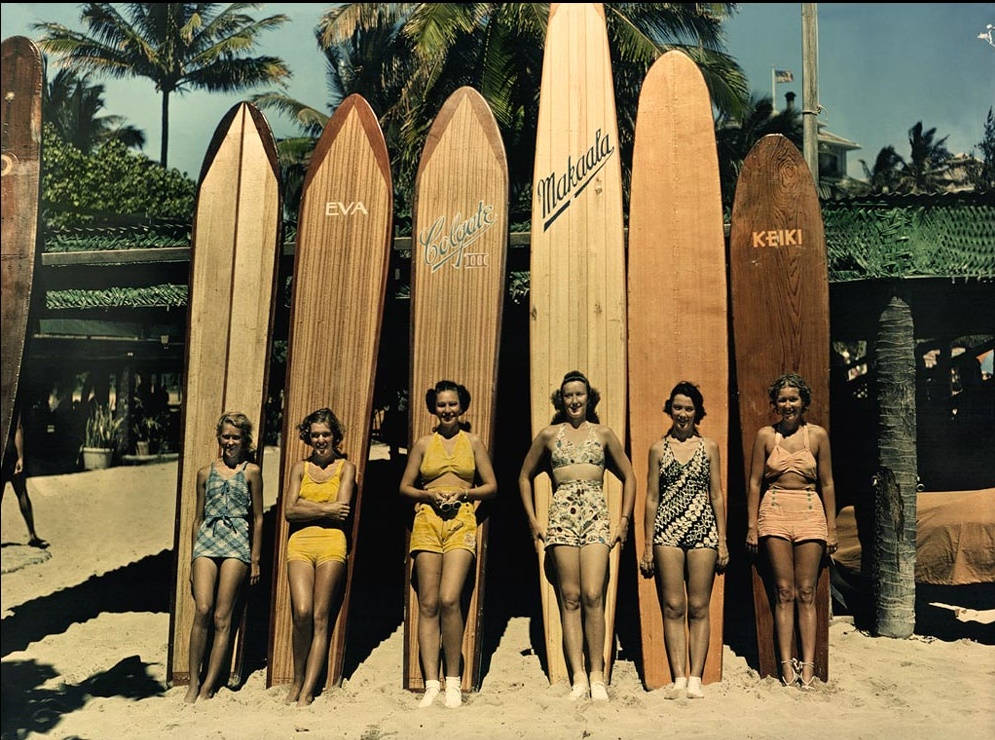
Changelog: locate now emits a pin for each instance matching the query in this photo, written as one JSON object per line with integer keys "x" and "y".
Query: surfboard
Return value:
{"x": 678, "y": 320}
{"x": 780, "y": 305}
{"x": 457, "y": 282}
{"x": 233, "y": 266}
{"x": 340, "y": 276}
{"x": 20, "y": 162}
{"x": 577, "y": 262}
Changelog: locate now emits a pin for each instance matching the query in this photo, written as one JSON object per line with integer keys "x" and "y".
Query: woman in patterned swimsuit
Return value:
{"x": 229, "y": 491}
{"x": 685, "y": 533}
{"x": 579, "y": 535}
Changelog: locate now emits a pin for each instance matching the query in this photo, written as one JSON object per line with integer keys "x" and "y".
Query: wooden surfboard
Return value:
{"x": 678, "y": 321}
{"x": 577, "y": 290}
{"x": 340, "y": 276}
{"x": 457, "y": 283}
{"x": 20, "y": 163}
{"x": 780, "y": 303}
{"x": 233, "y": 267}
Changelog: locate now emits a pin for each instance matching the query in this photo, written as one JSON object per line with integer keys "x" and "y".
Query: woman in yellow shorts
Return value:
{"x": 446, "y": 465}
{"x": 317, "y": 508}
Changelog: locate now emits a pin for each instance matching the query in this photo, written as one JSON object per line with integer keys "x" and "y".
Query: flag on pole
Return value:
{"x": 783, "y": 75}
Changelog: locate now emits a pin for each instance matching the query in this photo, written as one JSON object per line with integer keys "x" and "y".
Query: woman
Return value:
{"x": 792, "y": 461}
{"x": 224, "y": 553}
{"x": 317, "y": 508}
{"x": 685, "y": 532}
{"x": 578, "y": 535}
{"x": 452, "y": 471}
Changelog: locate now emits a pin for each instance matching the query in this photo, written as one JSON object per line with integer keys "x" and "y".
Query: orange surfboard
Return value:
{"x": 340, "y": 277}
{"x": 577, "y": 288}
{"x": 678, "y": 319}
{"x": 19, "y": 175}
{"x": 780, "y": 305}
{"x": 457, "y": 281}
{"x": 233, "y": 266}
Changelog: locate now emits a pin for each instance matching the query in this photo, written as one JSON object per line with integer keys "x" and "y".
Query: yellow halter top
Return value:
{"x": 437, "y": 461}
{"x": 321, "y": 491}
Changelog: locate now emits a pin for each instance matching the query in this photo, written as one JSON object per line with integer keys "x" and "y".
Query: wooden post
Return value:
{"x": 810, "y": 87}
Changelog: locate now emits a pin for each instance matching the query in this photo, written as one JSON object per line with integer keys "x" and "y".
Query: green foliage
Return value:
{"x": 983, "y": 177}
{"x": 78, "y": 187}
{"x": 101, "y": 427}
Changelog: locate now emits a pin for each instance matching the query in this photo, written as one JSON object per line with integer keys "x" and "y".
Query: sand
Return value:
{"x": 84, "y": 652}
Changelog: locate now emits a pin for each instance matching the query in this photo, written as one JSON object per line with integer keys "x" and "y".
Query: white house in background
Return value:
{"x": 832, "y": 150}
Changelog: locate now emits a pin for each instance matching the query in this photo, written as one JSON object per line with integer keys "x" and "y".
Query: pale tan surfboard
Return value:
{"x": 678, "y": 321}
{"x": 340, "y": 275}
{"x": 20, "y": 103}
{"x": 233, "y": 269}
{"x": 780, "y": 301}
{"x": 577, "y": 290}
{"x": 457, "y": 281}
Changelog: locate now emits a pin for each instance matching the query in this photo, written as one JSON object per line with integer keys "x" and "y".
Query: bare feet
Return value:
{"x": 38, "y": 542}
{"x": 192, "y": 691}
{"x": 305, "y": 700}
{"x": 294, "y": 693}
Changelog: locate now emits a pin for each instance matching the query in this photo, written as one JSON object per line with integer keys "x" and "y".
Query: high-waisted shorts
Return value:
{"x": 317, "y": 545}
{"x": 795, "y": 516}
{"x": 578, "y": 515}
{"x": 432, "y": 532}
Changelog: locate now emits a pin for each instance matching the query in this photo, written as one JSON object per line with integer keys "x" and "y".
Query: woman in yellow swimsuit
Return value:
{"x": 792, "y": 461}
{"x": 446, "y": 465}
{"x": 317, "y": 508}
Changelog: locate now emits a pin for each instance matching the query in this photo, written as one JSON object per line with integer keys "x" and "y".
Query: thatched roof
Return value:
{"x": 153, "y": 296}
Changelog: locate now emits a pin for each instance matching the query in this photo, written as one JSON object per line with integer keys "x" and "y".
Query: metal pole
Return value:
{"x": 810, "y": 87}
{"x": 773, "y": 90}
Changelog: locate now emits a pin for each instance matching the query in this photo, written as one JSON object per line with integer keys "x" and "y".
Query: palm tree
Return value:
{"x": 928, "y": 159}
{"x": 886, "y": 175}
{"x": 736, "y": 134}
{"x": 407, "y": 58}
{"x": 179, "y": 46}
{"x": 70, "y": 104}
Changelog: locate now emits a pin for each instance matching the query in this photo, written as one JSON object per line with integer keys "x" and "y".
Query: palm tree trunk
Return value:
{"x": 164, "y": 148}
{"x": 893, "y": 569}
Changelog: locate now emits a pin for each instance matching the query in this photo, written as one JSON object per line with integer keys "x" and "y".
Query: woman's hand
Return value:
{"x": 621, "y": 533}
{"x": 752, "y": 540}
{"x": 723, "y": 559}
{"x": 538, "y": 535}
{"x": 646, "y": 566}
{"x": 253, "y": 573}
{"x": 338, "y": 511}
{"x": 832, "y": 544}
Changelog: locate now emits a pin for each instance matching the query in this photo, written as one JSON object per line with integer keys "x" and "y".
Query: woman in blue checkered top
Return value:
{"x": 229, "y": 493}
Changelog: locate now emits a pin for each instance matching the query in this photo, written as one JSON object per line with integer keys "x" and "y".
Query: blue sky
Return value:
{"x": 882, "y": 67}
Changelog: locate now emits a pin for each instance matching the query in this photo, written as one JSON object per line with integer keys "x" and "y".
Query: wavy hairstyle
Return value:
{"x": 241, "y": 422}
{"x": 791, "y": 380}
{"x": 323, "y": 416}
{"x": 689, "y": 389}
{"x": 461, "y": 393}
{"x": 593, "y": 397}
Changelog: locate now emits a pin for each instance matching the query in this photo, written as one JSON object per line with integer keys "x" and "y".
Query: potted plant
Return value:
{"x": 98, "y": 442}
{"x": 148, "y": 434}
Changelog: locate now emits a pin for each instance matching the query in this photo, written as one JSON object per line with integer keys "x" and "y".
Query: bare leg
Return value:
{"x": 456, "y": 565}
{"x": 593, "y": 581}
{"x": 20, "y": 486}
{"x": 232, "y": 576}
{"x": 327, "y": 579}
{"x": 782, "y": 563}
{"x": 701, "y": 576}
{"x": 300, "y": 574}
{"x": 568, "y": 568}
{"x": 203, "y": 575}
{"x": 808, "y": 556}
{"x": 670, "y": 576}
{"x": 428, "y": 569}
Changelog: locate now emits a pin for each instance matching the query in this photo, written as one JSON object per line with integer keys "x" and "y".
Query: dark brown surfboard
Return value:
{"x": 678, "y": 319}
{"x": 21, "y": 162}
{"x": 340, "y": 277}
{"x": 233, "y": 269}
{"x": 780, "y": 305}
{"x": 457, "y": 282}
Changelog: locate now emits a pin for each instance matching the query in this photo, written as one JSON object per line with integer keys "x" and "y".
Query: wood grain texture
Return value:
{"x": 780, "y": 304}
{"x": 678, "y": 320}
{"x": 20, "y": 96}
{"x": 457, "y": 281}
{"x": 233, "y": 265}
{"x": 340, "y": 275}
{"x": 577, "y": 290}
